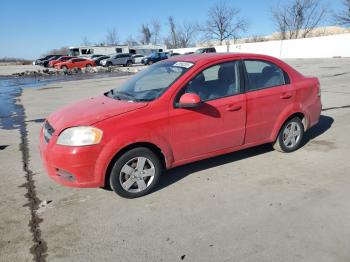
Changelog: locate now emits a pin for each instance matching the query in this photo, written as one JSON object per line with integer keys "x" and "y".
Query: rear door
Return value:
{"x": 268, "y": 92}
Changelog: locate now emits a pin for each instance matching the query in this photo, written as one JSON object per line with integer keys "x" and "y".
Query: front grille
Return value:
{"x": 48, "y": 131}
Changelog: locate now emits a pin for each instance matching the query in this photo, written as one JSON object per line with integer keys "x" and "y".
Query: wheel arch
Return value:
{"x": 154, "y": 148}
{"x": 286, "y": 117}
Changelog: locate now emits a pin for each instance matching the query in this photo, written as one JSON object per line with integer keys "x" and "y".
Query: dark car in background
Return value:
{"x": 205, "y": 50}
{"x": 153, "y": 58}
{"x": 98, "y": 59}
{"x": 41, "y": 60}
{"x": 119, "y": 59}
{"x": 53, "y": 62}
{"x": 45, "y": 63}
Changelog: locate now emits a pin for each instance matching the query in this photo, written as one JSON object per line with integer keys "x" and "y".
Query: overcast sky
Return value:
{"x": 30, "y": 28}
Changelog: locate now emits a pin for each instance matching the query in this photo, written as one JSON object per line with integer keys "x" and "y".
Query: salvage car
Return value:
{"x": 46, "y": 62}
{"x": 178, "y": 111}
{"x": 119, "y": 59}
{"x": 75, "y": 63}
{"x": 99, "y": 59}
{"x": 137, "y": 58}
{"x": 61, "y": 59}
{"x": 153, "y": 58}
{"x": 205, "y": 50}
{"x": 40, "y": 60}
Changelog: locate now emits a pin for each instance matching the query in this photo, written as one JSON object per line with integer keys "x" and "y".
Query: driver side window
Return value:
{"x": 215, "y": 82}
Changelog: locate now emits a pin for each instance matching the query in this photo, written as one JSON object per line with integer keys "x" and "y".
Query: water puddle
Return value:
{"x": 11, "y": 114}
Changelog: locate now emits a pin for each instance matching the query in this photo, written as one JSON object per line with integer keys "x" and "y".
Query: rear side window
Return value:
{"x": 263, "y": 74}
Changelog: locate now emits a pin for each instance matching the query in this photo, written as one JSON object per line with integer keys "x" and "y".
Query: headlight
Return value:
{"x": 80, "y": 136}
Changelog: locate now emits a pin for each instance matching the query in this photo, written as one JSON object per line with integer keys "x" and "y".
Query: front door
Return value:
{"x": 219, "y": 122}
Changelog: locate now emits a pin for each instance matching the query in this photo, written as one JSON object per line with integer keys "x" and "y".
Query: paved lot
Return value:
{"x": 253, "y": 205}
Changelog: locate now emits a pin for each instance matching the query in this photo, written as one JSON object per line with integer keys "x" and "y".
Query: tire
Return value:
{"x": 150, "y": 62}
{"x": 65, "y": 68}
{"x": 88, "y": 65}
{"x": 290, "y": 136}
{"x": 108, "y": 64}
{"x": 129, "y": 182}
{"x": 129, "y": 63}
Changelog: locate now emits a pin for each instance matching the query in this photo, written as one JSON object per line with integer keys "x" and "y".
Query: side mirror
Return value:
{"x": 189, "y": 100}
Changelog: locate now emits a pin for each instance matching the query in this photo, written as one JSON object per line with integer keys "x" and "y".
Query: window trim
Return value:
{"x": 246, "y": 77}
{"x": 205, "y": 67}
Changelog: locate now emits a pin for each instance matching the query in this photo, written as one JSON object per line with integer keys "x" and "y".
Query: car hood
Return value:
{"x": 89, "y": 111}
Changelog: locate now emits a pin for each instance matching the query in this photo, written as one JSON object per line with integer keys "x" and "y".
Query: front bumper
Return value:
{"x": 71, "y": 166}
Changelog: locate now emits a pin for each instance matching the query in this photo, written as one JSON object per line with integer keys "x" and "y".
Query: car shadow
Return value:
{"x": 176, "y": 174}
{"x": 324, "y": 123}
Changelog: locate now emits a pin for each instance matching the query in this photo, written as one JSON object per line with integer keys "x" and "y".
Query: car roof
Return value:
{"x": 209, "y": 57}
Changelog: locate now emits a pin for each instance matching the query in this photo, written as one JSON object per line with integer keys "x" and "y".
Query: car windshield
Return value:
{"x": 150, "y": 83}
{"x": 199, "y": 51}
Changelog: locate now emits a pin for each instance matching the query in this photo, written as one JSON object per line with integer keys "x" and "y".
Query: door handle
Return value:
{"x": 286, "y": 96}
{"x": 234, "y": 108}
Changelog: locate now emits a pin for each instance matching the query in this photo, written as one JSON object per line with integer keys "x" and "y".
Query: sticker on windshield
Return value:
{"x": 183, "y": 64}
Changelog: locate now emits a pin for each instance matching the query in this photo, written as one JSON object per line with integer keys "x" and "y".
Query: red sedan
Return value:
{"x": 52, "y": 63}
{"x": 75, "y": 63}
{"x": 175, "y": 112}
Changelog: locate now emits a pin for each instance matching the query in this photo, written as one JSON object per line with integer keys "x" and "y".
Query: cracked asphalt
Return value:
{"x": 252, "y": 205}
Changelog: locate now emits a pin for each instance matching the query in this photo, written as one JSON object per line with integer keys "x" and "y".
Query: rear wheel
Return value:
{"x": 65, "y": 68}
{"x": 88, "y": 65}
{"x": 135, "y": 173}
{"x": 108, "y": 64}
{"x": 290, "y": 136}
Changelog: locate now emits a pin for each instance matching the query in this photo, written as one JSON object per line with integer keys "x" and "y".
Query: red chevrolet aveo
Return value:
{"x": 177, "y": 111}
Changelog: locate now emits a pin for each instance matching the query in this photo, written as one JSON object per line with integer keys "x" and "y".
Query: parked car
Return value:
{"x": 99, "y": 59}
{"x": 40, "y": 60}
{"x": 175, "y": 112}
{"x": 95, "y": 56}
{"x": 119, "y": 59}
{"x": 153, "y": 58}
{"x": 174, "y": 54}
{"x": 137, "y": 58}
{"x": 75, "y": 63}
{"x": 61, "y": 59}
{"x": 205, "y": 50}
{"x": 46, "y": 62}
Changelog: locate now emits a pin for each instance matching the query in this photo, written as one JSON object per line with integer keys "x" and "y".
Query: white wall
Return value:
{"x": 315, "y": 47}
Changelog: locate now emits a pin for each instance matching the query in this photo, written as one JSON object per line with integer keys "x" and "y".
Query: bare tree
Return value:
{"x": 145, "y": 34}
{"x": 155, "y": 31}
{"x": 298, "y": 18}
{"x": 131, "y": 41}
{"x": 59, "y": 51}
{"x": 186, "y": 34}
{"x": 343, "y": 18}
{"x": 112, "y": 37}
{"x": 223, "y": 23}
{"x": 85, "y": 41}
{"x": 172, "y": 40}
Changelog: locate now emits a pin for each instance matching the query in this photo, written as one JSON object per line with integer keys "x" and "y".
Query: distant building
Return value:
{"x": 115, "y": 49}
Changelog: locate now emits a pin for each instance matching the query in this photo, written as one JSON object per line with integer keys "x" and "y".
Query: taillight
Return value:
{"x": 319, "y": 89}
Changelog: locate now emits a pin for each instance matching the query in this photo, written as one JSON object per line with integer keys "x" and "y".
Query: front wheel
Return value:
{"x": 135, "y": 173}
{"x": 290, "y": 136}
